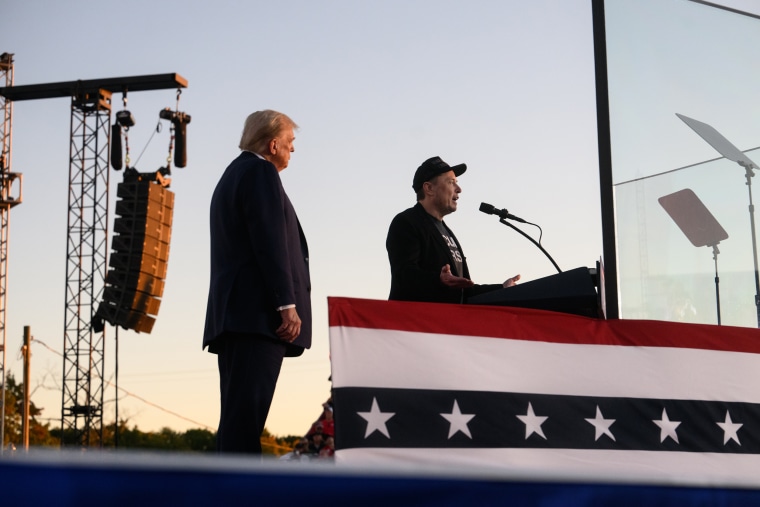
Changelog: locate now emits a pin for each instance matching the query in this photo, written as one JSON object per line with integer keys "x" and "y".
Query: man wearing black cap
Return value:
{"x": 427, "y": 263}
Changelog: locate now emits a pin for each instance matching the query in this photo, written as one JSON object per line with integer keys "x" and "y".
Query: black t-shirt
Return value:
{"x": 455, "y": 253}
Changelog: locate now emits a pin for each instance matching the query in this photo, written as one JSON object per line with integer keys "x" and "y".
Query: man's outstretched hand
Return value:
{"x": 511, "y": 281}
{"x": 456, "y": 282}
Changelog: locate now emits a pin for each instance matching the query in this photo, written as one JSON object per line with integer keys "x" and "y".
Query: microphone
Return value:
{"x": 488, "y": 209}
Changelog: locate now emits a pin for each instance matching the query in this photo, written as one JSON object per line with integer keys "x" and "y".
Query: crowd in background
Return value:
{"x": 319, "y": 441}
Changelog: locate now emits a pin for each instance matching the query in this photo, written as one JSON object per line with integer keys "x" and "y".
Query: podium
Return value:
{"x": 572, "y": 291}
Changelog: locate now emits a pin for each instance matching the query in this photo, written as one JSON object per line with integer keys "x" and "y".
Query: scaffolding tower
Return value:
{"x": 86, "y": 266}
{"x": 9, "y": 182}
{"x": 87, "y": 240}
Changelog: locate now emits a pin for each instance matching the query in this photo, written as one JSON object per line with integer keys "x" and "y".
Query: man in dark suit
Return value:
{"x": 427, "y": 261}
{"x": 259, "y": 306}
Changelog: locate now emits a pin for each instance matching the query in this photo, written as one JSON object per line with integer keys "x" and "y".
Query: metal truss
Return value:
{"x": 7, "y": 201}
{"x": 87, "y": 239}
{"x": 86, "y": 265}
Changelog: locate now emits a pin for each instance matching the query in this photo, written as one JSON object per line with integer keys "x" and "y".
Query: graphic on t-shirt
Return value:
{"x": 453, "y": 248}
{"x": 455, "y": 253}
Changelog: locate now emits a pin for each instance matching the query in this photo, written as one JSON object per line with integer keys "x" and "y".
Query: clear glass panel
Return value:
{"x": 676, "y": 56}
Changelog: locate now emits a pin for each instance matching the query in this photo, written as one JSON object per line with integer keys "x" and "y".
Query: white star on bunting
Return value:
{"x": 458, "y": 421}
{"x": 729, "y": 429}
{"x": 533, "y": 423}
{"x": 667, "y": 427}
{"x": 376, "y": 420}
{"x": 601, "y": 425}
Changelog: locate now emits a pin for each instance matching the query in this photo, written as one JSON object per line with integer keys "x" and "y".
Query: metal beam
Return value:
{"x": 73, "y": 88}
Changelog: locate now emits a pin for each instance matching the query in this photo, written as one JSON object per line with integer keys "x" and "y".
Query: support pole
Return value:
{"x": 717, "y": 280}
{"x": 27, "y": 352}
{"x": 750, "y": 174}
{"x": 116, "y": 391}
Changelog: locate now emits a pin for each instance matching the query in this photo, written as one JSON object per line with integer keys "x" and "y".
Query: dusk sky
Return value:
{"x": 506, "y": 87}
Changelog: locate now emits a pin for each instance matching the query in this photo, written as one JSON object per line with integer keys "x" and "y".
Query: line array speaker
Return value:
{"x": 139, "y": 256}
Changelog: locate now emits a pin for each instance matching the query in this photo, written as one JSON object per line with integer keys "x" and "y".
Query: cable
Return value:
{"x": 157, "y": 129}
{"x": 140, "y": 398}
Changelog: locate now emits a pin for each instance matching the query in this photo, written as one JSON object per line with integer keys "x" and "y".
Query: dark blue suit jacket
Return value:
{"x": 259, "y": 255}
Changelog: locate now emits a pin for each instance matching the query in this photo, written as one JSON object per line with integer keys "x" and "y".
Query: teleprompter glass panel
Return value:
{"x": 684, "y": 100}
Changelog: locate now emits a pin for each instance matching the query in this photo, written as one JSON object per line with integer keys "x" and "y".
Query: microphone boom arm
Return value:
{"x": 502, "y": 220}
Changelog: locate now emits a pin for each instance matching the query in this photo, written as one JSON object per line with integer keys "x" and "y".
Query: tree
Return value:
{"x": 201, "y": 440}
{"x": 277, "y": 446}
{"x": 13, "y": 408}
{"x": 193, "y": 440}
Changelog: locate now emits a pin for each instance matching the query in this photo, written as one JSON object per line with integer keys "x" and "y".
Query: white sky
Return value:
{"x": 506, "y": 86}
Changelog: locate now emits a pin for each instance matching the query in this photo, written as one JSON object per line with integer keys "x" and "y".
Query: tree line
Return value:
{"x": 166, "y": 439}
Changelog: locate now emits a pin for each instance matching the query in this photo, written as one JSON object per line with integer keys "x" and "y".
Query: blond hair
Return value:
{"x": 261, "y": 127}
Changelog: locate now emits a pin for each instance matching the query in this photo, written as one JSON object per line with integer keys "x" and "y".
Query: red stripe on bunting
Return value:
{"x": 535, "y": 325}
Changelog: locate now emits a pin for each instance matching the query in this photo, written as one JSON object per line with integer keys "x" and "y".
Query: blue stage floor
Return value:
{"x": 58, "y": 478}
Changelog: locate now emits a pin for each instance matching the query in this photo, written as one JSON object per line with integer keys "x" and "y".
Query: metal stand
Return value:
{"x": 532, "y": 241}
{"x": 698, "y": 225}
{"x": 731, "y": 152}
{"x": 717, "y": 280}
{"x": 749, "y": 175}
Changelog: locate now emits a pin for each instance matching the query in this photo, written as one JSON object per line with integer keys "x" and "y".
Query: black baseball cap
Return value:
{"x": 431, "y": 168}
